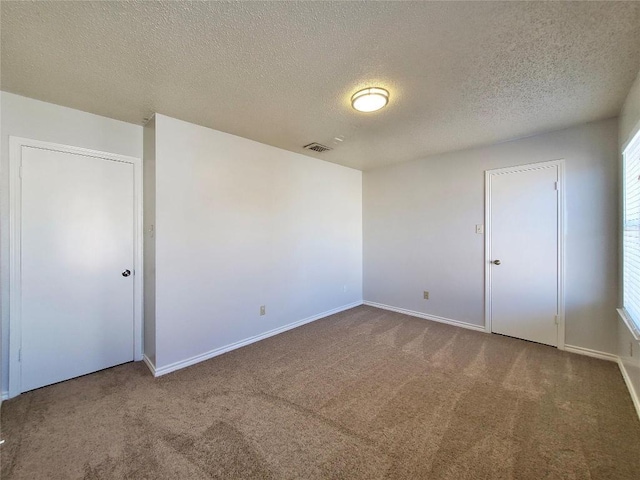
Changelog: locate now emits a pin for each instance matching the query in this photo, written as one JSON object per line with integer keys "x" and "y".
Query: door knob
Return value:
{"x": 495, "y": 262}
{"x": 126, "y": 273}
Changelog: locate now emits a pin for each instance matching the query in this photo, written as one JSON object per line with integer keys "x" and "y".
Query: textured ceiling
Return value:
{"x": 460, "y": 73}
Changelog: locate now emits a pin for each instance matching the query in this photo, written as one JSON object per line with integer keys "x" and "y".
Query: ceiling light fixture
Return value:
{"x": 370, "y": 99}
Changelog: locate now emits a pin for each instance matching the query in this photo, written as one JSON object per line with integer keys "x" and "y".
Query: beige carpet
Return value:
{"x": 365, "y": 394}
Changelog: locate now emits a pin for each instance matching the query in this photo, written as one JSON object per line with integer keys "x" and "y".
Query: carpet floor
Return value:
{"x": 364, "y": 394}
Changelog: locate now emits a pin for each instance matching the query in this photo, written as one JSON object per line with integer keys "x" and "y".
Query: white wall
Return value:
{"x": 419, "y": 230}
{"x": 240, "y": 224}
{"x": 628, "y": 346}
{"x": 25, "y": 117}
{"x": 149, "y": 176}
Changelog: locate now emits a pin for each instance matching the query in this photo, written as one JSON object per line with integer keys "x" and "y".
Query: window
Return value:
{"x": 631, "y": 232}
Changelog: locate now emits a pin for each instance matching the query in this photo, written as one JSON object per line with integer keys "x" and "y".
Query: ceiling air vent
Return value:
{"x": 317, "y": 147}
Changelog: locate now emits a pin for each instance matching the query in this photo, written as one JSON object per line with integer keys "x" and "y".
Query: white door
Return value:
{"x": 523, "y": 252}
{"x": 77, "y": 241}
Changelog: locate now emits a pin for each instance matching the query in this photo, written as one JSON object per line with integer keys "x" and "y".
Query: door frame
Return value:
{"x": 15, "y": 235}
{"x": 489, "y": 174}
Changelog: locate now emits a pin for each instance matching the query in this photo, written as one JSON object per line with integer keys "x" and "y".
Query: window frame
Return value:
{"x": 631, "y": 152}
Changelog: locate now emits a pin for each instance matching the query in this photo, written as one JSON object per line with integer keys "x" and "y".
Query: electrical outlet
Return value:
{"x": 425, "y": 295}
{"x": 263, "y": 310}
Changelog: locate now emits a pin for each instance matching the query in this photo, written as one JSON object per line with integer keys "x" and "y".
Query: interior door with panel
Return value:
{"x": 77, "y": 257}
{"x": 523, "y": 252}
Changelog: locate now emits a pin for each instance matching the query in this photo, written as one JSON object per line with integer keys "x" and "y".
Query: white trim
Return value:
{"x": 149, "y": 364}
{"x": 559, "y": 165}
{"x": 426, "y": 316}
{"x": 15, "y": 195}
{"x": 4, "y": 396}
{"x": 630, "y": 151}
{"x": 635, "y": 333}
{"x": 635, "y": 131}
{"x": 627, "y": 381}
{"x": 610, "y": 357}
{"x": 247, "y": 341}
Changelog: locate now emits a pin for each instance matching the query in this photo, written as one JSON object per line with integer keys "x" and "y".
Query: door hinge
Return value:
{"x": 20, "y": 355}
{"x": 557, "y": 319}
{"x": 555, "y": 185}
{"x": 20, "y": 171}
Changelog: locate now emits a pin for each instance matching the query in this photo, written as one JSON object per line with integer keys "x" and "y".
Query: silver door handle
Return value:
{"x": 496, "y": 262}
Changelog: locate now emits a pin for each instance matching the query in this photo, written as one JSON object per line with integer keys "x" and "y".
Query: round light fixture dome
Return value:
{"x": 370, "y": 99}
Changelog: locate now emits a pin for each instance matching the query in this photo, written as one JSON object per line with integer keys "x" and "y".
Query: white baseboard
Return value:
{"x": 456, "y": 323}
{"x": 591, "y": 353}
{"x": 612, "y": 358}
{"x": 149, "y": 364}
{"x": 247, "y": 341}
{"x": 4, "y": 396}
{"x": 632, "y": 391}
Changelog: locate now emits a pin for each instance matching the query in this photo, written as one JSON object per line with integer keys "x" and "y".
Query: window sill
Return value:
{"x": 635, "y": 331}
